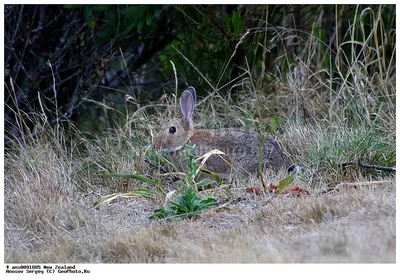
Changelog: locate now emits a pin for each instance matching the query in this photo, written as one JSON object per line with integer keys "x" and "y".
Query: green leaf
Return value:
{"x": 138, "y": 192}
{"x": 187, "y": 205}
{"x": 237, "y": 22}
{"x": 149, "y": 17}
{"x": 204, "y": 182}
{"x": 285, "y": 182}
{"x": 90, "y": 19}
{"x": 140, "y": 25}
{"x": 91, "y": 23}
{"x": 216, "y": 176}
{"x": 157, "y": 12}
{"x": 207, "y": 203}
{"x": 160, "y": 213}
{"x": 227, "y": 23}
{"x": 180, "y": 207}
{"x": 274, "y": 123}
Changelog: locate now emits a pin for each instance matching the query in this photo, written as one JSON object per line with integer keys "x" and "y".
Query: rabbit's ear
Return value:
{"x": 188, "y": 102}
{"x": 193, "y": 93}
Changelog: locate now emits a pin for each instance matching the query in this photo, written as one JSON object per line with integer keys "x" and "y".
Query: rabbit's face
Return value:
{"x": 176, "y": 133}
{"x": 172, "y": 137}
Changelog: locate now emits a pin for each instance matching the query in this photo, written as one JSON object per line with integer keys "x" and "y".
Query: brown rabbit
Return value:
{"x": 240, "y": 144}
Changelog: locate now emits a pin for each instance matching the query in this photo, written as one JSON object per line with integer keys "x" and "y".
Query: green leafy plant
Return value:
{"x": 188, "y": 205}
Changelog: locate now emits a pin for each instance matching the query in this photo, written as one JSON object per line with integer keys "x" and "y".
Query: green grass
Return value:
{"x": 341, "y": 145}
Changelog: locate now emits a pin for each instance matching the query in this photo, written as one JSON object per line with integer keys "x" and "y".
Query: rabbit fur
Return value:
{"x": 240, "y": 144}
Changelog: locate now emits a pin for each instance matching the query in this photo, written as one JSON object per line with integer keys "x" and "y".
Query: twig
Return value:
{"x": 365, "y": 165}
{"x": 386, "y": 168}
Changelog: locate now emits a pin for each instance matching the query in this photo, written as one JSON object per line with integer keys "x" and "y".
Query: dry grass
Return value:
{"x": 49, "y": 218}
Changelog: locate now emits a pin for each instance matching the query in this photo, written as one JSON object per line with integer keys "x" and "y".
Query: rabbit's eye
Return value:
{"x": 172, "y": 129}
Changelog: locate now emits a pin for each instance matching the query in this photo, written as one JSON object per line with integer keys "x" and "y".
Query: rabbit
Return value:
{"x": 241, "y": 145}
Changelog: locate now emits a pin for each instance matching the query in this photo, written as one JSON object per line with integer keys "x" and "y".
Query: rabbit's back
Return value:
{"x": 242, "y": 146}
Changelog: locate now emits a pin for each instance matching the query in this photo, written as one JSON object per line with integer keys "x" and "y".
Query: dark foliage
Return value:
{"x": 58, "y": 57}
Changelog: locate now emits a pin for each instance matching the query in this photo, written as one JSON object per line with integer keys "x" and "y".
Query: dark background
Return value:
{"x": 57, "y": 57}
